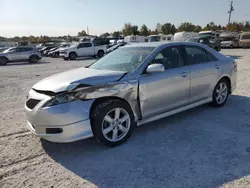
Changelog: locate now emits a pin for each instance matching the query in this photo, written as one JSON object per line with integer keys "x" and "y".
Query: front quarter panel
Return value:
{"x": 126, "y": 89}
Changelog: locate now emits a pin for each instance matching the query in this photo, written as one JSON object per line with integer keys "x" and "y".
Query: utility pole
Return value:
{"x": 230, "y": 12}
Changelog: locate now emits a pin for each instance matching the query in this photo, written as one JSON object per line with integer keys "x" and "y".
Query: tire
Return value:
{"x": 72, "y": 56}
{"x": 56, "y": 55}
{"x": 3, "y": 61}
{"x": 33, "y": 59}
{"x": 222, "y": 89}
{"x": 216, "y": 48}
{"x": 100, "y": 54}
{"x": 103, "y": 120}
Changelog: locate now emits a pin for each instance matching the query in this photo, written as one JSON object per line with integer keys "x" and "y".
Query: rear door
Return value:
{"x": 205, "y": 71}
{"x": 25, "y": 52}
{"x": 164, "y": 91}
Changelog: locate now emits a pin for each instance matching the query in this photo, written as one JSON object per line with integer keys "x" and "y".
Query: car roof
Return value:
{"x": 158, "y": 44}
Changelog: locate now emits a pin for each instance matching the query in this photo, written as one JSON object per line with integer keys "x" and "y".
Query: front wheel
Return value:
{"x": 112, "y": 122}
{"x": 33, "y": 59}
{"x": 3, "y": 61}
{"x": 72, "y": 56}
{"x": 220, "y": 93}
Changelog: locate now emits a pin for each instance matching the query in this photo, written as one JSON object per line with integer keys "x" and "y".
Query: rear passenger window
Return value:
{"x": 211, "y": 57}
{"x": 195, "y": 55}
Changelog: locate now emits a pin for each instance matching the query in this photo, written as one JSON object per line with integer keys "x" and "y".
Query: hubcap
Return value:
{"x": 221, "y": 93}
{"x": 116, "y": 124}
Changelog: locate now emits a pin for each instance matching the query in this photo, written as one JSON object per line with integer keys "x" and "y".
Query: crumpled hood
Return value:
{"x": 65, "y": 80}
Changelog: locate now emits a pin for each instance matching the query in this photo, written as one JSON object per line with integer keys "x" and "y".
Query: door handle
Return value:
{"x": 217, "y": 66}
{"x": 184, "y": 74}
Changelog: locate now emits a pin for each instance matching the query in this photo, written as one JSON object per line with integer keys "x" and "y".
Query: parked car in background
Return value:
{"x": 184, "y": 36}
{"x": 45, "y": 49}
{"x": 116, "y": 47}
{"x": 135, "y": 39}
{"x": 134, "y": 85}
{"x": 214, "y": 35}
{"x": 20, "y": 53}
{"x": 229, "y": 39}
{"x": 56, "y": 52}
{"x": 83, "y": 50}
{"x": 207, "y": 41}
{"x": 158, "y": 38}
{"x": 245, "y": 40}
{"x": 46, "y": 52}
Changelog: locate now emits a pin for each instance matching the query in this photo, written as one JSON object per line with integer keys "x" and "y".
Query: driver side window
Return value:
{"x": 170, "y": 57}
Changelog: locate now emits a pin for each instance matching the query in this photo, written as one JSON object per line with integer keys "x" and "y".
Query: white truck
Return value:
{"x": 83, "y": 49}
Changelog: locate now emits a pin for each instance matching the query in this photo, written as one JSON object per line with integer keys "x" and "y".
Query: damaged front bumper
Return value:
{"x": 61, "y": 123}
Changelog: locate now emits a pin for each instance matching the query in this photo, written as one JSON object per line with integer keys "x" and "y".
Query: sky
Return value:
{"x": 68, "y": 17}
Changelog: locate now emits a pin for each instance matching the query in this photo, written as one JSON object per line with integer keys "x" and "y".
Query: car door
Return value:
{"x": 14, "y": 54}
{"x": 204, "y": 71}
{"x": 85, "y": 49}
{"x": 24, "y": 53}
{"x": 168, "y": 90}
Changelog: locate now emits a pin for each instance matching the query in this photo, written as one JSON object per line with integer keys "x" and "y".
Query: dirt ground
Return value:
{"x": 203, "y": 147}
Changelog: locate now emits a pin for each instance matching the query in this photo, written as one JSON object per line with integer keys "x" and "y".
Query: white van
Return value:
{"x": 215, "y": 35}
{"x": 184, "y": 36}
{"x": 156, "y": 38}
{"x": 133, "y": 38}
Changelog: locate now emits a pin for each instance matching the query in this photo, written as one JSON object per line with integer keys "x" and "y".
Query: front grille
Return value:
{"x": 31, "y": 103}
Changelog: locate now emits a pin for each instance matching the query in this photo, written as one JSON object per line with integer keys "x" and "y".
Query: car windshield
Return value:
{"x": 193, "y": 40}
{"x": 245, "y": 36}
{"x": 123, "y": 59}
{"x": 7, "y": 50}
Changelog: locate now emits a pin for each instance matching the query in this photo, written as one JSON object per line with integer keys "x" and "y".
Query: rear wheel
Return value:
{"x": 72, "y": 56}
{"x": 100, "y": 54}
{"x": 220, "y": 93}
{"x": 33, "y": 59}
{"x": 3, "y": 61}
{"x": 112, "y": 122}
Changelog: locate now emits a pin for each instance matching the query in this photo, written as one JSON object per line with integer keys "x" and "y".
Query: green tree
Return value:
{"x": 236, "y": 26}
{"x": 247, "y": 26}
{"x": 168, "y": 28}
{"x": 135, "y": 30}
{"x": 82, "y": 33}
{"x": 144, "y": 30}
{"x": 186, "y": 26}
{"x": 197, "y": 28}
{"x": 127, "y": 29}
{"x": 116, "y": 34}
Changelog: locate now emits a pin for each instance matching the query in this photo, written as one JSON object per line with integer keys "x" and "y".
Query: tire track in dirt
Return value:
{"x": 20, "y": 133}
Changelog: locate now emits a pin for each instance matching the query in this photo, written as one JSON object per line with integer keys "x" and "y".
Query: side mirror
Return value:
{"x": 155, "y": 68}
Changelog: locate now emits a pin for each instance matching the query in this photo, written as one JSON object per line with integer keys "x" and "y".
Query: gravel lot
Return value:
{"x": 203, "y": 147}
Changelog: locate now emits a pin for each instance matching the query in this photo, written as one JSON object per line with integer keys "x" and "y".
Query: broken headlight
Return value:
{"x": 64, "y": 98}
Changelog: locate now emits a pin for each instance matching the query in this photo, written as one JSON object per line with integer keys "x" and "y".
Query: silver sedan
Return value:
{"x": 131, "y": 86}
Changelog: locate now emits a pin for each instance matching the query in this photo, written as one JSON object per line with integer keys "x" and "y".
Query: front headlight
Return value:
{"x": 63, "y": 98}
